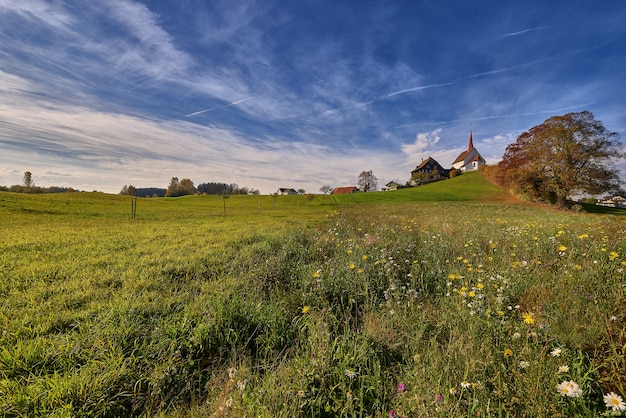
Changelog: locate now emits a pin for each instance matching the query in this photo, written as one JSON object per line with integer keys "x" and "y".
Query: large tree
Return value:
{"x": 565, "y": 155}
{"x": 368, "y": 181}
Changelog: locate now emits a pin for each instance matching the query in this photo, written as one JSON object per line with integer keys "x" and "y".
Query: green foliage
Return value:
{"x": 288, "y": 307}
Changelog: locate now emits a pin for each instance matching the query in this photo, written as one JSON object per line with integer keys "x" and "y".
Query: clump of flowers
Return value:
{"x": 569, "y": 388}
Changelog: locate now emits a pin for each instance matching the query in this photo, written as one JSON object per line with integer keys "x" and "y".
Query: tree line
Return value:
{"x": 28, "y": 186}
{"x": 186, "y": 187}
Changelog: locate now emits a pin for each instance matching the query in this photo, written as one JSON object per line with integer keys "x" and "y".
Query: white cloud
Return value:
{"x": 424, "y": 142}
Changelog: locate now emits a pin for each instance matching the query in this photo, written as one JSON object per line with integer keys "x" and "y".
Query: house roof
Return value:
{"x": 425, "y": 162}
{"x": 345, "y": 190}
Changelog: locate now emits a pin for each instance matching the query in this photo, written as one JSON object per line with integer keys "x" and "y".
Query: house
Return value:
{"x": 283, "y": 190}
{"x": 612, "y": 201}
{"x": 392, "y": 185}
{"x": 428, "y": 170}
{"x": 470, "y": 159}
{"x": 345, "y": 190}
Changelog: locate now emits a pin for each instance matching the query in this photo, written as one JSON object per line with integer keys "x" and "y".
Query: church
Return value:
{"x": 470, "y": 159}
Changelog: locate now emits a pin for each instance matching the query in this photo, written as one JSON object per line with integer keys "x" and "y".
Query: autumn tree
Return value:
{"x": 367, "y": 181}
{"x": 565, "y": 155}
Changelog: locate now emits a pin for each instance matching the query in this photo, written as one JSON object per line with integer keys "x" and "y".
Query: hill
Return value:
{"x": 467, "y": 187}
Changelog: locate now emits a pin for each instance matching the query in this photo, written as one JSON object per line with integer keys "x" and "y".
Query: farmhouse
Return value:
{"x": 345, "y": 190}
{"x": 470, "y": 159}
{"x": 428, "y": 170}
{"x": 284, "y": 190}
{"x": 392, "y": 185}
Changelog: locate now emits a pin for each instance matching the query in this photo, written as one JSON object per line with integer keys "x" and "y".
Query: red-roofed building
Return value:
{"x": 345, "y": 190}
{"x": 470, "y": 159}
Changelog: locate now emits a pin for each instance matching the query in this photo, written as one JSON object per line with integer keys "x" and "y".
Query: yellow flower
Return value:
{"x": 316, "y": 274}
{"x": 508, "y": 352}
{"x": 351, "y": 266}
{"x": 613, "y": 255}
{"x": 562, "y": 248}
{"x": 480, "y": 285}
{"x": 528, "y": 318}
{"x": 471, "y": 294}
{"x": 306, "y": 309}
{"x": 364, "y": 257}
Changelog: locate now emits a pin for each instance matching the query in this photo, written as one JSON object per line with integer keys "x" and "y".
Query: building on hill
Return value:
{"x": 428, "y": 170}
{"x": 392, "y": 185}
{"x": 345, "y": 190}
{"x": 285, "y": 190}
{"x": 470, "y": 159}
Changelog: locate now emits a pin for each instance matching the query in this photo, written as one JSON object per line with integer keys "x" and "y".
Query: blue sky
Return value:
{"x": 269, "y": 94}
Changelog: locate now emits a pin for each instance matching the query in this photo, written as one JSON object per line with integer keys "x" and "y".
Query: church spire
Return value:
{"x": 471, "y": 142}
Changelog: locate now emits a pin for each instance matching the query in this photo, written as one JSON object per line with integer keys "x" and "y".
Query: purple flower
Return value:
{"x": 401, "y": 387}
{"x": 439, "y": 398}
{"x": 392, "y": 414}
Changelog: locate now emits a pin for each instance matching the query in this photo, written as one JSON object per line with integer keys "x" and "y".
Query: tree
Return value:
{"x": 186, "y": 187}
{"x": 172, "y": 189}
{"x": 326, "y": 189}
{"x": 28, "y": 180}
{"x": 565, "y": 155}
{"x": 368, "y": 181}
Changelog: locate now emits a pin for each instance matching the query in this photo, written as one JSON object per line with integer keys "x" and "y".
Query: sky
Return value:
{"x": 267, "y": 94}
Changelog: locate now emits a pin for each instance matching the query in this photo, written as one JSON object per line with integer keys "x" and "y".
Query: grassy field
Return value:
{"x": 450, "y": 299}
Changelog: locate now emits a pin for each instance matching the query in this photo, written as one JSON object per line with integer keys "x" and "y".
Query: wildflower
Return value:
{"x": 528, "y": 318}
{"x": 306, "y": 309}
{"x": 350, "y": 374}
{"x": 480, "y": 285}
{"x": 438, "y": 398}
{"x": 563, "y": 369}
{"x": 352, "y": 266}
{"x": 364, "y": 258}
{"x": 516, "y": 335}
{"x": 612, "y": 318}
{"x": 613, "y": 255}
{"x": 614, "y": 401}
{"x": 349, "y": 395}
{"x": 241, "y": 384}
{"x": 231, "y": 372}
{"x": 556, "y": 352}
{"x": 465, "y": 384}
{"x": 229, "y": 402}
{"x": 478, "y": 385}
{"x": 524, "y": 364}
{"x": 316, "y": 274}
{"x": 401, "y": 387}
{"x": 392, "y": 414}
{"x": 562, "y": 248}
{"x": 569, "y": 388}
{"x": 508, "y": 352}
{"x": 301, "y": 393}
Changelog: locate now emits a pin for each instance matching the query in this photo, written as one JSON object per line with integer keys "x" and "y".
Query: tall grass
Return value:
{"x": 298, "y": 309}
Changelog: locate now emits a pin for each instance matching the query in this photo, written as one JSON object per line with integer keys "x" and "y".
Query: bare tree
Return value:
{"x": 326, "y": 189}
{"x": 368, "y": 181}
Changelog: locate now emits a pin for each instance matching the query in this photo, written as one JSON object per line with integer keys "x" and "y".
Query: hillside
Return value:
{"x": 467, "y": 187}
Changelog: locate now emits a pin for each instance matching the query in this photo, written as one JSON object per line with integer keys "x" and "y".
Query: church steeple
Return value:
{"x": 471, "y": 142}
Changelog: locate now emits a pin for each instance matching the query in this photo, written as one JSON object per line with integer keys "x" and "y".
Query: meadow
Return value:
{"x": 451, "y": 299}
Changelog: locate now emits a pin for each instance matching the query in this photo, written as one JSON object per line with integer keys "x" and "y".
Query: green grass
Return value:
{"x": 442, "y": 300}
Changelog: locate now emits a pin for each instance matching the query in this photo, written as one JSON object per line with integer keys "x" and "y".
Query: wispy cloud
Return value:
{"x": 215, "y": 108}
{"x": 521, "y": 32}
{"x": 418, "y": 88}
